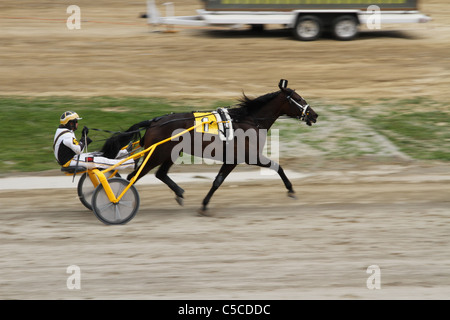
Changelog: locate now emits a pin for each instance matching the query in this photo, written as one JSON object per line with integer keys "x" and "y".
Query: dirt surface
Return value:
{"x": 258, "y": 243}
{"x": 116, "y": 53}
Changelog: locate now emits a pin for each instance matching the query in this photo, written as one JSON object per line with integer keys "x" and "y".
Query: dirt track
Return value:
{"x": 116, "y": 53}
{"x": 259, "y": 243}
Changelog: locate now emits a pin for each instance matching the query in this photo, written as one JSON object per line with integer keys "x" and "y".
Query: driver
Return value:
{"x": 69, "y": 151}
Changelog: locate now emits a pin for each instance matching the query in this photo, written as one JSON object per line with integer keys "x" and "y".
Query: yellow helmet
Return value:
{"x": 68, "y": 116}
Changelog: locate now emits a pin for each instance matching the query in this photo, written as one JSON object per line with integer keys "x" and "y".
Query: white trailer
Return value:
{"x": 306, "y": 18}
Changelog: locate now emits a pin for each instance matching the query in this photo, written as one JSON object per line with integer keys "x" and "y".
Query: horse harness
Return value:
{"x": 303, "y": 109}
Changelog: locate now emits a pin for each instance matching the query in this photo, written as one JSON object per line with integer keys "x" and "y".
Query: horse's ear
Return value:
{"x": 283, "y": 84}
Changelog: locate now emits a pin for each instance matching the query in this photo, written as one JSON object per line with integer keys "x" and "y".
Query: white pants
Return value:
{"x": 94, "y": 160}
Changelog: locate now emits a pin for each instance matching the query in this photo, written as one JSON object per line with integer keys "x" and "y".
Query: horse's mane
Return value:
{"x": 248, "y": 106}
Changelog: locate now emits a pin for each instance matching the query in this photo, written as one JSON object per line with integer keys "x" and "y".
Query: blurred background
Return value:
{"x": 116, "y": 55}
{"x": 376, "y": 163}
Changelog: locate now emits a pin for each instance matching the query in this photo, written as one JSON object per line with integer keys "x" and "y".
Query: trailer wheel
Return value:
{"x": 345, "y": 27}
{"x": 307, "y": 28}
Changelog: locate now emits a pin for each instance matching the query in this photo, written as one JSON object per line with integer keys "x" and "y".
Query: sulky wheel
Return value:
{"x": 86, "y": 188}
{"x": 115, "y": 213}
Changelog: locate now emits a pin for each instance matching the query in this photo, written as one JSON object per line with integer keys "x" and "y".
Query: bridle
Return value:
{"x": 303, "y": 108}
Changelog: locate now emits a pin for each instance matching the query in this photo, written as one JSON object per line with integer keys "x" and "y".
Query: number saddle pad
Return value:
{"x": 215, "y": 122}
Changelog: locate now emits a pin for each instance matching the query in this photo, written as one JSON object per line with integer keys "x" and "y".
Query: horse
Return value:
{"x": 249, "y": 115}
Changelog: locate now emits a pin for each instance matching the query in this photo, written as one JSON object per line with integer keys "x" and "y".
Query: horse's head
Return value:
{"x": 298, "y": 107}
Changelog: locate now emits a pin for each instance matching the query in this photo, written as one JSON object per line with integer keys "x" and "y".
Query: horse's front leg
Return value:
{"x": 267, "y": 163}
{"x": 223, "y": 173}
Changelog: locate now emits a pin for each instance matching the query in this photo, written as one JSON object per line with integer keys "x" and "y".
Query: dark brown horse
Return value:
{"x": 251, "y": 118}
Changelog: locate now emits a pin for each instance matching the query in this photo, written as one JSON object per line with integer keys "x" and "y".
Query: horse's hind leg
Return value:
{"x": 149, "y": 166}
{"x": 223, "y": 173}
{"x": 161, "y": 174}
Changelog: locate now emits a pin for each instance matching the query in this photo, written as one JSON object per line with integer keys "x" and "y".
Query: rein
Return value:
{"x": 103, "y": 130}
{"x": 140, "y": 129}
{"x": 115, "y": 132}
{"x": 303, "y": 109}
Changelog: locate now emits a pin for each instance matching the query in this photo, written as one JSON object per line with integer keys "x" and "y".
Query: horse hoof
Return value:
{"x": 203, "y": 212}
{"x": 291, "y": 194}
{"x": 180, "y": 200}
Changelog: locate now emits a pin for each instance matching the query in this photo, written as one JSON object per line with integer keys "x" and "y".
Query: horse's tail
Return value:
{"x": 118, "y": 140}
